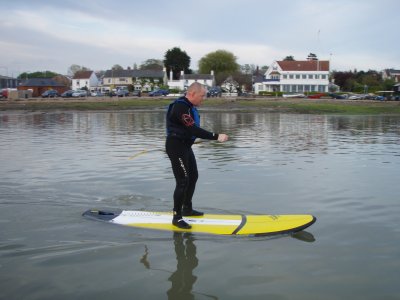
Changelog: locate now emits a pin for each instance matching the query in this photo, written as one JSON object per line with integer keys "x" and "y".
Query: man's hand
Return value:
{"x": 222, "y": 137}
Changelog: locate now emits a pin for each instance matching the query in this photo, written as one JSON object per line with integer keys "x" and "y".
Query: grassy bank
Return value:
{"x": 308, "y": 106}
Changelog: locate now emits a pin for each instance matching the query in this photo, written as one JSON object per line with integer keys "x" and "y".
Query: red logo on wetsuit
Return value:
{"x": 187, "y": 120}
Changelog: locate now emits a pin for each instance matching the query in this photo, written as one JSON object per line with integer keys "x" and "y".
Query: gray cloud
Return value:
{"x": 38, "y": 35}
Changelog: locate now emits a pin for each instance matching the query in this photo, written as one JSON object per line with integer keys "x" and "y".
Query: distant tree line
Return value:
{"x": 224, "y": 64}
{"x": 361, "y": 81}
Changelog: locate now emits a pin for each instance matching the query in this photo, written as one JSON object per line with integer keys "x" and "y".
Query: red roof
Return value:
{"x": 82, "y": 74}
{"x": 304, "y": 65}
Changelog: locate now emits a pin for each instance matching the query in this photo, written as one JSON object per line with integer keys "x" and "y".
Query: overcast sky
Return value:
{"x": 38, "y": 35}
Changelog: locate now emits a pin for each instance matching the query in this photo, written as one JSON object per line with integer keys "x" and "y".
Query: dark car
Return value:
{"x": 214, "y": 92}
{"x": 50, "y": 94}
{"x": 122, "y": 93}
{"x": 67, "y": 94}
{"x": 158, "y": 93}
{"x": 337, "y": 96}
{"x": 137, "y": 93}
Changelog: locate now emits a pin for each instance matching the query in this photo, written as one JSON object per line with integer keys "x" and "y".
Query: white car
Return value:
{"x": 79, "y": 93}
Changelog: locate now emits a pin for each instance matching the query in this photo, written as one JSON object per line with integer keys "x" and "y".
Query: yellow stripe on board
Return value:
{"x": 274, "y": 223}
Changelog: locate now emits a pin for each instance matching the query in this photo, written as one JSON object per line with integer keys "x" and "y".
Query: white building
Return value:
{"x": 85, "y": 79}
{"x": 142, "y": 80}
{"x": 295, "y": 77}
{"x": 186, "y": 80}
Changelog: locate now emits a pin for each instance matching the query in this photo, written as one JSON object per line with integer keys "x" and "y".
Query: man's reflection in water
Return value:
{"x": 183, "y": 279}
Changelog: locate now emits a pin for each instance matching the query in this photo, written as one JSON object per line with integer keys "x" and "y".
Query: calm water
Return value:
{"x": 342, "y": 169}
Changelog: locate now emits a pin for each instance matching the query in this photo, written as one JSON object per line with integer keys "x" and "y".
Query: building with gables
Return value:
{"x": 185, "y": 80}
{"x": 294, "y": 76}
{"x": 8, "y": 82}
{"x": 85, "y": 80}
{"x": 144, "y": 80}
{"x": 391, "y": 74}
{"x": 39, "y": 85}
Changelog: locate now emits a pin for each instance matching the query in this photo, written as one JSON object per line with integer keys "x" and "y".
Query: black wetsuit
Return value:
{"x": 183, "y": 127}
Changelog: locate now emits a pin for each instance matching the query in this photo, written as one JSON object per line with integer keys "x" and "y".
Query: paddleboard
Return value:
{"x": 209, "y": 223}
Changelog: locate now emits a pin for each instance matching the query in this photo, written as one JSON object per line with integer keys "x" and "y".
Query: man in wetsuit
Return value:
{"x": 183, "y": 127}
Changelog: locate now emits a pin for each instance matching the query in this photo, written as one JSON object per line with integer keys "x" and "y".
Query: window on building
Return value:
{"x": 304, "y": 76}
{"x": 313, "y": 88}
{"x": 284, "y": 76}
{"x": 297, "y": 76}
{"x": 306, "y": 88}
{"x": 300, "y": 88}
{"x": 291, "y": 76}
{"x": 310, "y": 76}
{"x": 323, "y": 76}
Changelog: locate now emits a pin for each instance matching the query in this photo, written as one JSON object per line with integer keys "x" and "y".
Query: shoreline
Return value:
{"x": 294, "y": 105}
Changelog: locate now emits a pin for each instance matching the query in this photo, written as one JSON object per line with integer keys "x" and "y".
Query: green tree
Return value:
{"x": 289, "y": 57}
{"x": 177, "y": 60}
{"x": 117, "y": 67}
{"x": 152, "y": 64}
{"x": 220, "y": 61}
{"x": 76, "y": 68}
{"x": 38, "y": 74}
{"x": 248, "y": 69}
{"x": 312, "y": 56}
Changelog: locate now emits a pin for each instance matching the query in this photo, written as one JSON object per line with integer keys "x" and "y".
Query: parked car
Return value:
{"x": 298, "y": 95}
{"x": 79, "y": 93}
{"x": 3, "y": 93}
{"x": 337, "y": 96}
{"x": 67, "y": 94}
{"x": 214, "y": 92}
{"x": 357, "y": 97}
{"x": 316, "y": 96}
{"x": 97, "y": 94}
{"x": 158, "y": 93}
{"x": 137, "y": 93}
{"x": 122, "y": 93}
{"x": 50, "y": 94}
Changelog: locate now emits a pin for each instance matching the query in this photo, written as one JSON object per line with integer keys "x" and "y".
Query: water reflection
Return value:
{"x": 182, "y": 279}
{"x": 343, "y": 169}
{"x": 304, "y": 236}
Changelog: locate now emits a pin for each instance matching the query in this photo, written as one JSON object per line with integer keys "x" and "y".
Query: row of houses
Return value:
{"x": 143, "y": 80}
{"x": 281, "y": 76}
{"x": 287, "y": 76}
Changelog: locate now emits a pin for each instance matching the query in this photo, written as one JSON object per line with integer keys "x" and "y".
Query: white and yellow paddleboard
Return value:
{"x": 209, "y": 223}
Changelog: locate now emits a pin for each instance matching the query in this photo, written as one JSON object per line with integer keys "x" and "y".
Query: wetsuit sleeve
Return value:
{"x": 181, "y": 114}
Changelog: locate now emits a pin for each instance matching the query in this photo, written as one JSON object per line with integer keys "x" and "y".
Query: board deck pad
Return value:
{"x": 209, "y": 223}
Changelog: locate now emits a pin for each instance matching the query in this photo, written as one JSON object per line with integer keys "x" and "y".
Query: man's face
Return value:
{"x": 197, "y": 97}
